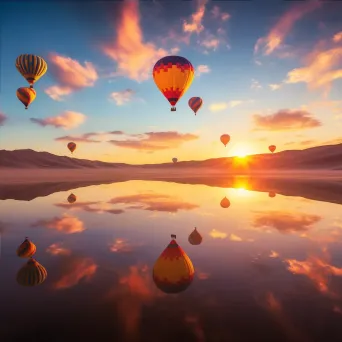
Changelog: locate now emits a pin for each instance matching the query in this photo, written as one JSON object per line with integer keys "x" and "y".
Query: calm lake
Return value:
{"x": 269, "y": 267}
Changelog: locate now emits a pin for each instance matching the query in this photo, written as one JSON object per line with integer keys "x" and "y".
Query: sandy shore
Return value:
{"x": 27, "y": 176}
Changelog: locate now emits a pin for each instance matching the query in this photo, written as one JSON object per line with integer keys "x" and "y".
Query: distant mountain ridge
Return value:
{"x": 320, "y": 157}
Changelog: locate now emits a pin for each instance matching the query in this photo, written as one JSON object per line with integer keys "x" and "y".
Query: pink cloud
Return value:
{"x": 337, "y": 37}
{"x": 66, "y": 120}
{"x": 218, "y": 14}
{"x": 71, "y": 76}
{"x": 133, "y": 57}
{"x": 122, "y": 97}
{"x": 3, "y": 118}
{"x": 194, "y": 24}
{"x": 202, "y": 69}
{"x": 57, "y": 249}
{"x": 284, "y": 25}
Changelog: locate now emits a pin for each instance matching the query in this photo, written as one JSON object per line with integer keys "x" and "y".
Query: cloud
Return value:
{"x": 202, "y": 69}
{"x": 337, "y": 37}
{"x": 3, "y": 118}
{"x": 122, "y": 246}
{"x": 88, "y": 137}
{"x": 57, "y": 249}
{"x": 274, "y": 86}
{"x": 216, "y": 234}
{"x": 194, "y": 24}
{"x": 65, "y": 224}
{"x": 283, "y": 27}
{"x": 66, "y": 120}
{"x": 220, "y": 106}
{"x": 71, "y": 76}
{"x": 274, "y": 254}
{"x": 154, "y": 141}
{"x": 122, "y": 97}
{"x": 218, "y": 14}
{"x": 283, "y": 221}
{"x": 255, "y": 84}
{"x": 285, "y": 120}
{"x": 154, "y": 202}
{"x": 133, "y": 57}
{"x": 234, "y": 237}
{"x": 100, "y": 208}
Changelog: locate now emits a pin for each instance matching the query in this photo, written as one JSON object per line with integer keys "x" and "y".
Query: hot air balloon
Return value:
{"x": 225, "y": 203}
{"x": 173, "y": 76}
{"x": 272, "y": 148}
{"x": 271, "y": 194}
{"x": 175, "y": 160}
{"x": 32, "y": 273}
{"x": 71, "y": 198}
{"x": 31, "y": 67}
{"x": 26, "y": 95}
{"x": 195, "y": 103}
{"x": 27, "y": 249}
{"x": 195, "y": 238}
{"x": 173, "y": 271}
{"x": 71, "y": 146}
{"x": 225, "y": 138}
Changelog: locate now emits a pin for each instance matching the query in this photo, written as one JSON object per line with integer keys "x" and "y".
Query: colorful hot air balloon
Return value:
{"x": 225, "y": 203}
{"x": 26, "y": 95}
{"x": 175, "y": 160}
{"x": 272, "y": 148}
{"x": 27, "y": 249}
{"x": 195, "y": 103}
{"x": 32, "y": 273}
{"x": 271, "y": 194}
{"x": 173, "y": 76}
{"x": 71, "y": 146}
{"x": 31, "y": 67}
{"x": 173, "y": 271}
{"x": 71, "y": 198}
{"x": 225, "y": 138}
{"x": 195, "y": 238}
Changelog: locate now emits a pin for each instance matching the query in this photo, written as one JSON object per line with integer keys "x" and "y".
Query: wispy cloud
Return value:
{"x": 91, "y": 207}
{"x": 202, "y": 69}
{"x": 66, "y": 120}
{"x": 283, "y": 26}
{"x": 274, "y": 86}
{"x": 71, "y": 76}
{"x": 122, "y": 97}
{"x": 255, "y": 84}
{"x": 218, "y": 14}
{"x": 220, "y": 106}
{"x": 89, "y": 137}
{"x": 194, "y": 23}
{"x": 154, "y": 141}
{"x": 337, "y": 37}
{"x": 216, "y": 234}
{"x": 3, "y": 118}
{"x": 57, "y": 249}
{"x": 285, "y": 120}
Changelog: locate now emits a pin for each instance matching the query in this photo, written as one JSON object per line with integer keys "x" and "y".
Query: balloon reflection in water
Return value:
{"x": 27, "y": 249}
{"x": 173, "y": 271}
{"x": 271, "y": 194}
{"x": 225, "y": 203}
{"x": 31, "y": 274}
{"x": 195, "y": 238}
{"x": 71, "y": 198}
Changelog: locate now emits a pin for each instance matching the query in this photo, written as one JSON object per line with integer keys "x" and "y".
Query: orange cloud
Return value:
{"x": 133, "y": 57}
{"x": 66, "y": 224}
{"x": 285, "y": 222}
{"x": 274, "y": 254}
{"x": 234, "y": 237}
{"x": 76, "y": 270}
{"x": 285, "y": 120}
{"x": 70, "y": 75}
{"x": 337, "y": 37}
{"x": 66, "y": 120}
{"x": 194, "y": 24}
{"x": 154, "y": 202}
{"x": 122, "y": 97}
{"x": 283, "y": 27}
{"x": 215, "y": 234}
{"x": 57, "y": 249}
{"x": 218, "y": 14}
{"x": 154, "y": 141}
{"x": 202, "y": 69}
{"x": 88, "y": 137}
{"x": 3, "y": 118}
{"x": 120, "y": 246}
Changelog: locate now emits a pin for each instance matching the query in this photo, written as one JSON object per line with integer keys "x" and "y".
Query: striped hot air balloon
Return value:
{"x": 31, "y": 274}
{"x": 26, "y": 95}
{"x": 27, "y": 249}
{"x": 195, "y": 238}
{"x": 173, "y": 76}
{"x": 173, "y": 271}
{"x": 31, "y": 67}
{"x": 71, "y": 147}
{"x": 71, "y": 198}
{"x": 225, "y": 203}
{"x": 195, "y": 103}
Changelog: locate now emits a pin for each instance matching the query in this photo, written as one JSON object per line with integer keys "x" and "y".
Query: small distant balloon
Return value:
{"x": 26, "y": 96}
{"x": 225, "y": 138}
{"x": 31, "y": 274}
{"x": 272, "y": 148}
{"x": 271, "y": 194}
{"x": 195, "y": 103}
{"x": 71, "y": 198}
{"x": 27, "y": 249}
{"x": 71, "y": 146}
{"x": 195, "y": 238}
{"x": 175, "y": 160}
{"x": 225, "y": 203}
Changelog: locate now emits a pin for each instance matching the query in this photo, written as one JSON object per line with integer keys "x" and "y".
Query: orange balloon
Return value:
{"x": 27, "y": 249}
{"x": 195, "y": 238}
{"x": 225, "y": 138}
{"x": 271, "y": 194}
{"x": 225, "y": 203}
{"x": 26, "y": 95}
{"x": 272, "y": 148}
{"x": 71, "y": 146}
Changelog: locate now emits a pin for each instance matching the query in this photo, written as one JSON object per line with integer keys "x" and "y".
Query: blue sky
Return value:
{"x": 267, "y": 74}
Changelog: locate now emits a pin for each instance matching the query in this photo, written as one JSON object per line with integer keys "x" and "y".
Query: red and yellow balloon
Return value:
{"x": 27, "y": 249}
{"x": 71, "y": 146}
{"x": 26, "y": 95}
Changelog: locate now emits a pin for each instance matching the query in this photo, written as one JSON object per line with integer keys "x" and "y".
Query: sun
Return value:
{"x": 240, "y": 154}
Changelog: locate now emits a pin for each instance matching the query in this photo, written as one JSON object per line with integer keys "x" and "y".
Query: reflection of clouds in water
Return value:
{"x": 283, "y": 221}
{"x": 66, "y": 224}
{"x": 92, "y": 207}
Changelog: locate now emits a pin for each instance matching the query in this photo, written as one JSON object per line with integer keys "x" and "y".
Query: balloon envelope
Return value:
{"x": 225, "y": 203}
{"x": 31, "y": 274}
{"x": 272, "y": 148}
{"x": 71, "y": 146}
{"x": 225, "y": 138}
{"x": 195, "y": 103}
{"x": 175, "y": 160}
{"x": 26, "y": 249}
{"x": 173, "y": 271}
{"x": 173, "y": 76}
{"x": 31, "y": 67}
{"x": 26, "y": 95}
{"x": 71, "y": 198}
{"x": 272, "y": 194}
{"x": 195, "y": 238}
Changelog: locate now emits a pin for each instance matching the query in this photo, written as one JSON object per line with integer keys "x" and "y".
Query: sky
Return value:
{"x": 269, "y": 72}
